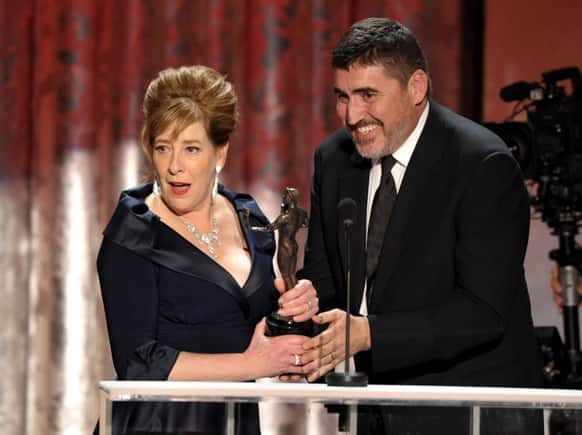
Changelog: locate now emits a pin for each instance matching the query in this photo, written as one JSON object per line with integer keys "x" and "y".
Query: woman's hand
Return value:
{"x": 300, "y": 302}
{"x": 274, "y": 356}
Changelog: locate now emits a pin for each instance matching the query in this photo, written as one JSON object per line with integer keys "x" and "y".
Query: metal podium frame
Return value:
{"x": 233, "y": 392}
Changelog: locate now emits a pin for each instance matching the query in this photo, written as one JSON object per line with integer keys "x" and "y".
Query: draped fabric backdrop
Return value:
{"x": 72, "y": 76}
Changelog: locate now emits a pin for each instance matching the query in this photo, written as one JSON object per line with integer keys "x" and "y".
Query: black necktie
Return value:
{"x": 380, "y": 216}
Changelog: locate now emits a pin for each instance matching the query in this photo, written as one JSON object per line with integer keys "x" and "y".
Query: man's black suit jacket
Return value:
{"x": 450, "y": 304}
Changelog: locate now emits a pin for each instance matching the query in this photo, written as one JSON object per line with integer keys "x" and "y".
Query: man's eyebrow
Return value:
{"x": 362, "y": 90}
{"x": 365, "y": 90}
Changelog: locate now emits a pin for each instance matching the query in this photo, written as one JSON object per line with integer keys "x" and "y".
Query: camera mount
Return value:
{"x": 548, "y": 147}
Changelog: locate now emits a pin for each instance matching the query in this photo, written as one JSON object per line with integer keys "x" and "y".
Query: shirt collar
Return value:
{"x": 403, "y": 154}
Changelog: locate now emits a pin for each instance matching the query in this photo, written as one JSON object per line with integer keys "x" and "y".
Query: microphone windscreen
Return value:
{"x": 346, "y": 211}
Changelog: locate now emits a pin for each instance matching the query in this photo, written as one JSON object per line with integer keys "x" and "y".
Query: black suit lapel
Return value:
{"x": 354, "y": 184}
{"x": 419, "y": 178}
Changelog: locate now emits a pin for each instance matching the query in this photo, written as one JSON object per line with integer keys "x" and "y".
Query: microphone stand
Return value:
{"x": 347, "y": 378}
{"x": 347, "y": 415}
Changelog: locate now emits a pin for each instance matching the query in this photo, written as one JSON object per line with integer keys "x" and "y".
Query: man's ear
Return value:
{"x": 418, "y": 86}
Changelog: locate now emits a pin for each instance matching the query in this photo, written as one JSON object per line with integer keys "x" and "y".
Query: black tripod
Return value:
{"x": 568, "y": 257}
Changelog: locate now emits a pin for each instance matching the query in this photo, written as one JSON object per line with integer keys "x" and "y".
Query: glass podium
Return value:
{"x": 555, "y": 406}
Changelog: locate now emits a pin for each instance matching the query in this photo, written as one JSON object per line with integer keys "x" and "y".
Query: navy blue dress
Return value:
{"x": 162, "y": 295}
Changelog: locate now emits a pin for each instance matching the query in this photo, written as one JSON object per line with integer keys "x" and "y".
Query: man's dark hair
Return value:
{"x": 380, "y": 41}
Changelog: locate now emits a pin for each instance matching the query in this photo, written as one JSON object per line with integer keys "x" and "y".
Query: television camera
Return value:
{"x": 548, "y": 147}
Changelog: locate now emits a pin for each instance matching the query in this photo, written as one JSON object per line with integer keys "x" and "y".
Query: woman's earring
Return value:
{"x": 156, "y": 189}
{"x": 215, "y": 188}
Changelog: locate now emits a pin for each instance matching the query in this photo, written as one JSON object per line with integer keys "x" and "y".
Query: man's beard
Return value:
{"x": 392, "y": 142}
{"x": 393, "y": 139}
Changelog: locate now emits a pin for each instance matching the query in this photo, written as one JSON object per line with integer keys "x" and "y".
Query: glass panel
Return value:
{"x": 228, "y": 408}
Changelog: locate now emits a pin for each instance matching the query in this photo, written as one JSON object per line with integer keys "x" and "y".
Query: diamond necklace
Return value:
{"x": 207, "y": 239}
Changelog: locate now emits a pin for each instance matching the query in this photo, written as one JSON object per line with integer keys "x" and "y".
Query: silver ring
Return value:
{"x": 297, "y": 359}
{"x": 309, "y": 304}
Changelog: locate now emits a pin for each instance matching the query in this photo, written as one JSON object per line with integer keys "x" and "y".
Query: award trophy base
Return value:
{"x": 282, "y": 325}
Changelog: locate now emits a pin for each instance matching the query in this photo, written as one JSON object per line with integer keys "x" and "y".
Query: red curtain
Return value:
{"x": 73, "y": 73}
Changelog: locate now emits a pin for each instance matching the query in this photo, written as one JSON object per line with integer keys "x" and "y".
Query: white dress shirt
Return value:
{"x": 402, "y": 156}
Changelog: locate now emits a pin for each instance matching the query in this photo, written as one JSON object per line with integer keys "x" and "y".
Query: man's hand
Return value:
{"x": 326, "y": 350}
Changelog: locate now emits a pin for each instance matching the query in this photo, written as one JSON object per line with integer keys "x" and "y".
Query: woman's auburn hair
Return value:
{"x": 183, "y": 96}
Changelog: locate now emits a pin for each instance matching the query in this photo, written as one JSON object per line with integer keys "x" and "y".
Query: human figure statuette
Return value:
{"x": 288, "y": 222}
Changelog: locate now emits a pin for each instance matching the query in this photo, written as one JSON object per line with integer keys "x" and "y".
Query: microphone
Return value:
{"x": 346, "y": 212}
{"x": 519, "y": 91}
